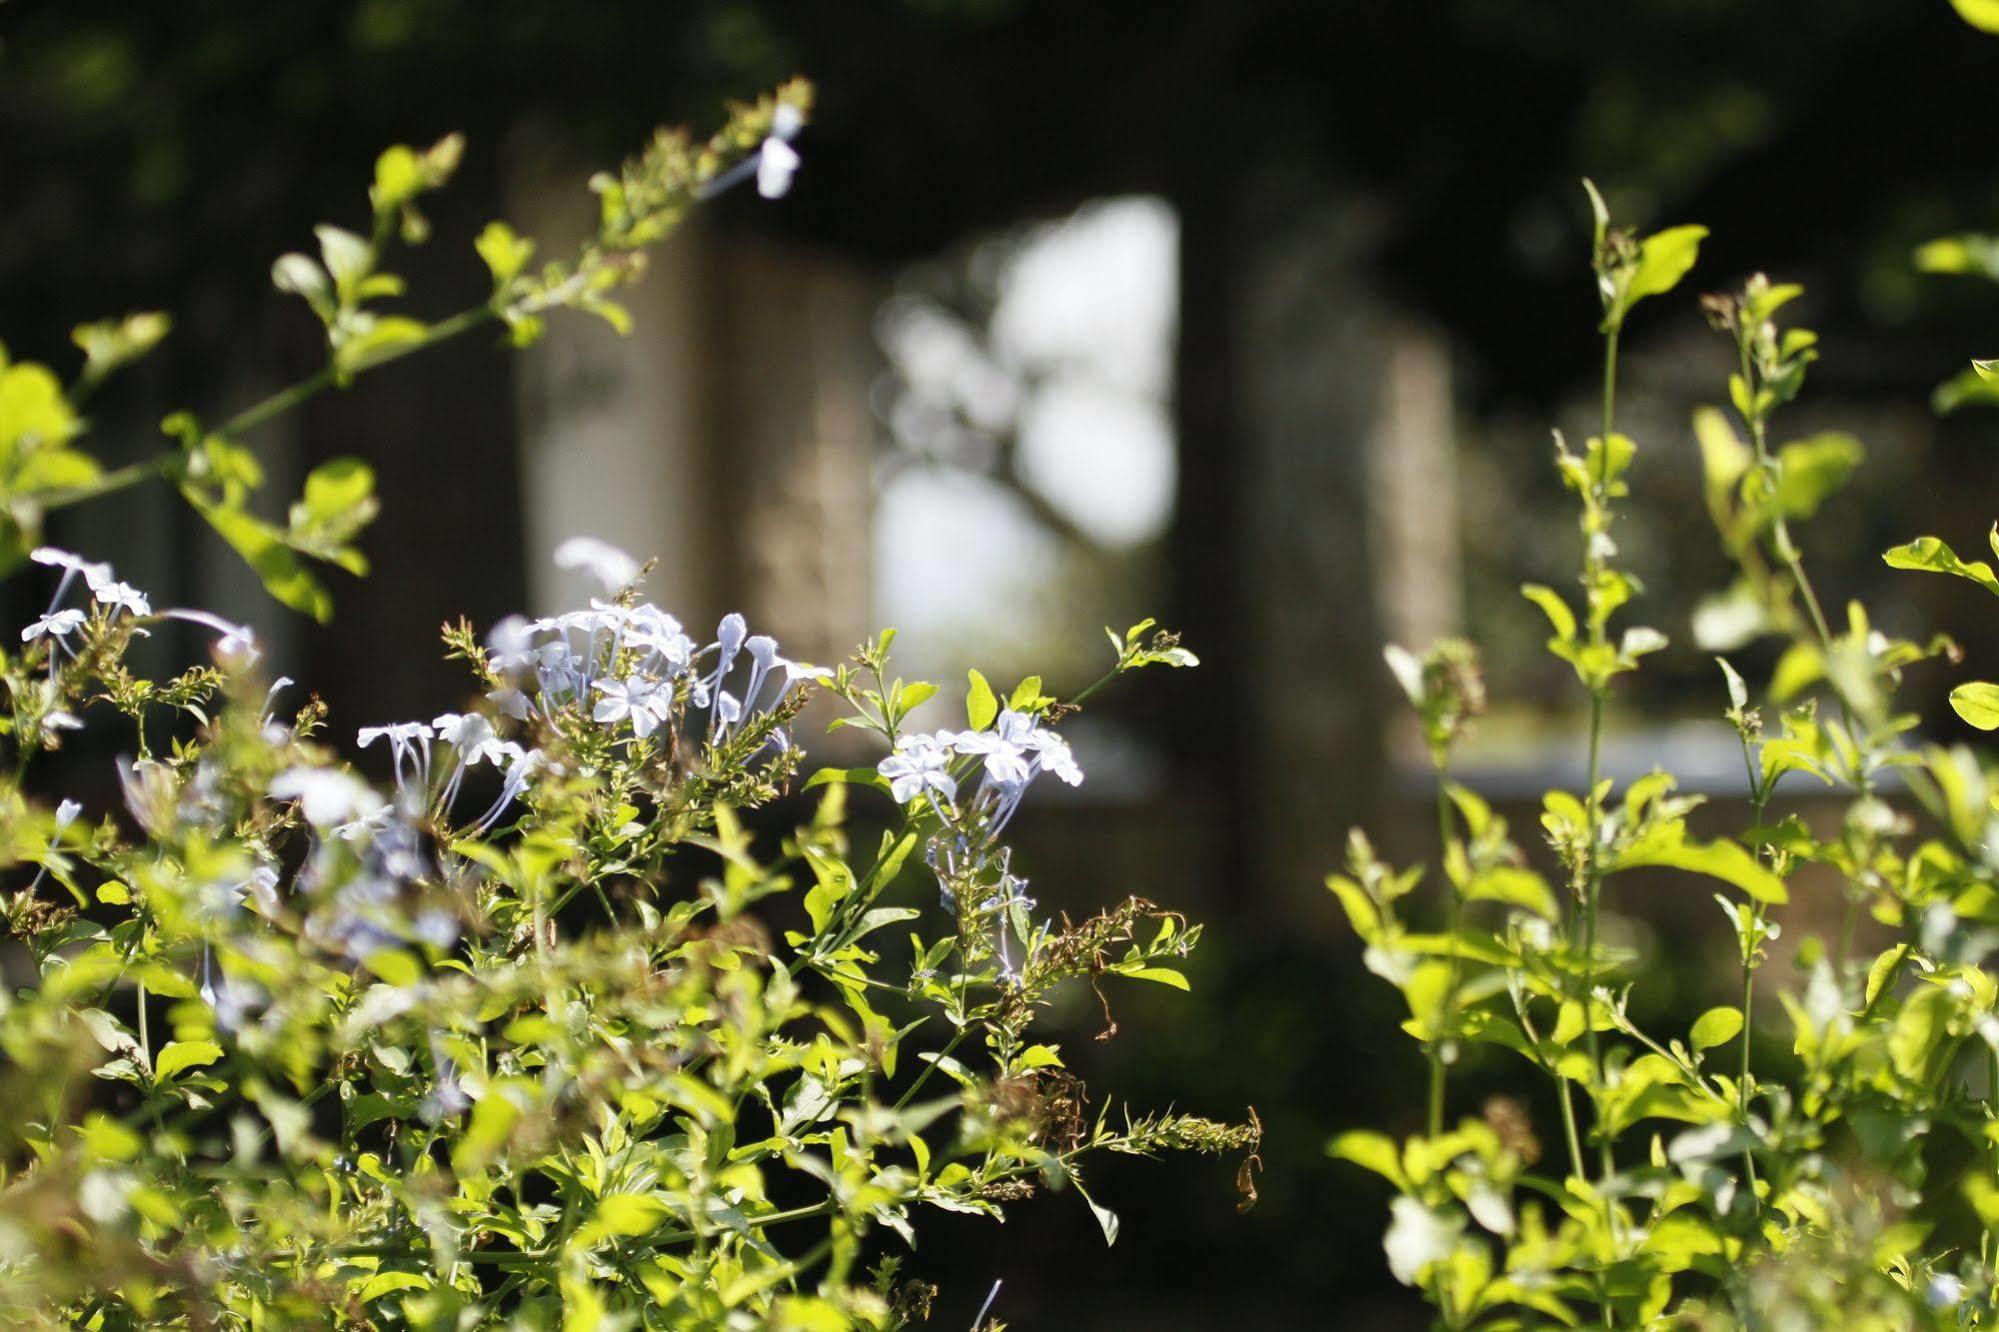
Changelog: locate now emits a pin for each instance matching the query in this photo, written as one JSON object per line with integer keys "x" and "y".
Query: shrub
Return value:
{"x": 1824, "y": 1161}
{"x": 545, "y": 1033}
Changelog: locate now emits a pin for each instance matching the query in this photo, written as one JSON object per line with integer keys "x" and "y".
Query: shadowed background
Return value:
{"x": 1249, "y": 314}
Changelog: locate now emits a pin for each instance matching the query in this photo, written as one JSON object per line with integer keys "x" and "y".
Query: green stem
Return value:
{"x": 1759, "y": 803}
{"x": 1569, "y": 1133}
{"x": 1096, "y": 684}
{"x": 1743, "y": 1085}
{"x": 277, "y": 404}
{"x": 1609, "y": 384}
{"x": 1592, "y": 883}
{"x": 1452, "y": 913}
{"x": 1592, "y": 866}
{"x": 923, "y": 1076}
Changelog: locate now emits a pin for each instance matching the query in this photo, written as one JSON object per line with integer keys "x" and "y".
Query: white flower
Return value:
{"x": 1418, "y": 1237}
{"x": 777, "y": 160}
{"x": 471, "y": 735}
{"x": 66, "y": 814}
{"x": 511, "y": 642}
{"x": 640, "y": 701}
{"x": 512, "y": 702}
{"x": 327, "y": 796}
{"x": 58, "y": 624}
{"x": 920, "y": 763}
{"x": 1054, "y": 755}
{"x": 60, "y": 720}
{"x": 94, "y": 574}
{"x": 600, "y": 559}
{"x": 653, "y": 630}
{"x": 237, "y": 641}
{"x": 398, "y": 734}
{"x": 1004, "y": 747}
{"x": 777, "y": 163}
{"x": 123, "y": 596}
{"x": 1945, "y": 1291}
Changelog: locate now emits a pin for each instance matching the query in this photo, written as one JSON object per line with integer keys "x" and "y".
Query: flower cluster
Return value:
{"x": 973, "y": 869}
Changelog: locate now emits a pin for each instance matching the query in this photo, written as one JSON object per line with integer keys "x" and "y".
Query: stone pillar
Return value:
{"x": 1315, "y": 373}
{"x": 616, "y": 430}
{"x": 729, "y": 434}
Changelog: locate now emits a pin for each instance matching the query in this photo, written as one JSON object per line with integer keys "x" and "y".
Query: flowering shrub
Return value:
{"x": 1829, "y": 1161}
{"x": 527, "y": 1027}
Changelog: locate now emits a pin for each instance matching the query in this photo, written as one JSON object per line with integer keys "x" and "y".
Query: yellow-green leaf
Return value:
{"x": 1978, "y": 704}
{"x": 1717, "y": 1026}
{"x": 178, "y": 1056}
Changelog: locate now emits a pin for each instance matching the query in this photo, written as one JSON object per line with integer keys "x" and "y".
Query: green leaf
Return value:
{"x": 1106, "y": 1219}
{"x": 849, "y": 776}
{"x": 263, "y": 548}
{"x": 398, "y": 178}
{"x": 1027, "y": 695}
{"x": 1598, "y": 210}
{"x": 382, "y": 340}
{"x": 1721, "y": 859}
{"x": 1370, "y": 1151}
{"x": 1663, "y": 259}
{"x": 1966, "y": 388}
{"x": 1928, "y": 554}
{"x": 176, "y": 1056}
{"x": 346, "y": 256}
{"x": 505, "y": 253}
{"x": 300, "y": 276}
{"x": 1813, "y": 469}
{"x": 1560, "y": 617}
{"x": 389, "y": 1283}
{"x": 1738, "y": 691}
{"x": 1162, "y": 975}
{"x": 112, "y": 343}
{"x": 1407, "y": 669}
{"x": 835, "y": 885}
{"x": 1717, "y": 1026}
{"x": 981, "y": 704}
{"x": 492, "y": 1123}
{"x": 1978, "y": 704}
{"x": 1515, "y": 887}
{"x": 1980, "y": 14}
{"x": 629, "y": 1214}
{"x": 338, "y": 501}
{"x": 1967, "y": 254}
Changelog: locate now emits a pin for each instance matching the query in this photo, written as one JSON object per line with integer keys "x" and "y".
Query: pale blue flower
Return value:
{"x": 600, "y": 559}
{"x": 920, "y": 765}
{"x": 326, "y": 796}
{"x": 56, "y": 624}
{"x": 644, "y": 703}
{"x": 236, "y": 642}
{"x": 1003, "y": 748}
{"x": 123, "y": 596}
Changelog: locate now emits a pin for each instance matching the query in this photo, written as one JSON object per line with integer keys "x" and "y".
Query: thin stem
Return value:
{"x": 1592, "y": 884}
{"x": 1609, "y": 383}
{"x": 1592, "y": 864}
{"x": 1743, "y": 1084}
{"x": 1096, "y": 684}
{"x": 1452, "y": 912}
{"x": 1759, "y": 801}
{"x": 277, "y": 404}
{"x": 923, "y": 1076}
{"x": 1561, "y": 1087}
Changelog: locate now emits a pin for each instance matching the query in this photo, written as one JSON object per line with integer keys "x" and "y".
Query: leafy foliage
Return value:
{"x": 560, "y": 1030}
{"x": 1830, "y": 1160}
{"x": 44, "y": 465}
